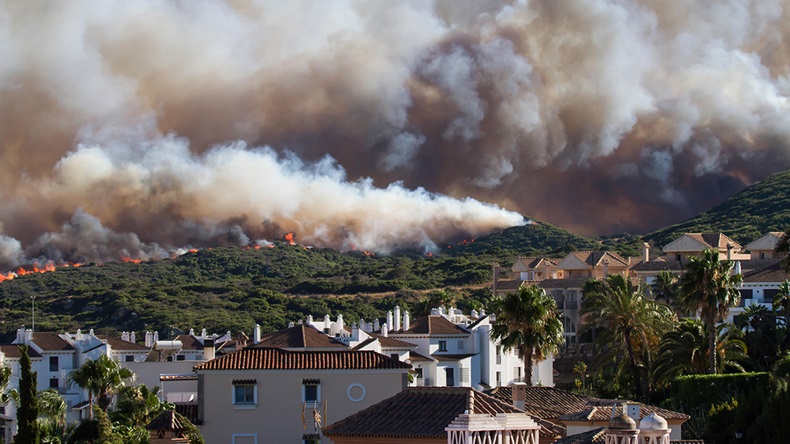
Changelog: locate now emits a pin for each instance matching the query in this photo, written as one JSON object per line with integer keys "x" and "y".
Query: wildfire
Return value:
{"x": 6, "y": 277}
{"x": 290, "y": 238}
{"x": 128, "y": 259}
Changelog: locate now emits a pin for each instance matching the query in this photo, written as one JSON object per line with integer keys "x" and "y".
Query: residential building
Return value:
{"x": 440, "y": 415}
{"x": 579, "y": 413}
{"x": 281, "y": 395}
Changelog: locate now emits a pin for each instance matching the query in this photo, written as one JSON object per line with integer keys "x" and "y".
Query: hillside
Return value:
{"x": 758, "y": 209}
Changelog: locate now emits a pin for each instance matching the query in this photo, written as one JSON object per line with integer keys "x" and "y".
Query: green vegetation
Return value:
{"x": 527, "y": 321}
{"x": 27, "y": 409}
{"x": 758, "y": 209}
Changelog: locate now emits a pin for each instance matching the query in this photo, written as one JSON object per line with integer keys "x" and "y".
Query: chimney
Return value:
{"x": 20, "y": 335}
{"x": 291, "y": 324}
{"x": 645, "y": 252}
{"x": 729, "y": 252}
{"x": 149, "y": 338}
{"x": 78, "y": 336}
{"x": 737, "y": 268}
{"x": 132, "y": 338}
{"x": 28, "y": 336}
{"x": 203, "y": 334}
{"x": 519, "y": 390}
{"x": 632, "y": 409}
{"x": 389, "y": 319}
{"x": 156, "y": 336}
{"x": 208, "y": 349}
{"x": 376, "y": 325}
{"x": 354, "y": 332}
{"x": 396, "y": 318}
{"x": 495, "y": 271}
{"x": 256, "y": 334}
{"x": 406, "y": 320}
{"x": 309, "y": 320}
{"x": 384, "y": 330}
{"x": 91, "y": 333}
{"x": 606, "y": 267}
{"x": 340, "y": 324}
{"x": 125, "y": 336}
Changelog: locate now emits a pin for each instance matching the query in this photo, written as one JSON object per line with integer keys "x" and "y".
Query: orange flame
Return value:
{"x": 128, "y": 259}
{"x": 194, "y": 250}
{"x": 290, "y": 238}
{"x": 6, "y": 277}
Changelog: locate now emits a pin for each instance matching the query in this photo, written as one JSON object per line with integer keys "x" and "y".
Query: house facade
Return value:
{"x": 258, "y": 395}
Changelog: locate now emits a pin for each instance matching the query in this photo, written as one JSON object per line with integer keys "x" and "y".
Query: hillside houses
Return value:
{"x": 564, "y": 278}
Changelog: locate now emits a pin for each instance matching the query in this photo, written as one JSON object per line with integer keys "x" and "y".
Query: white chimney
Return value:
{"x": 645, "y": 252}
{"x": 441, "y": 310}
{"x": 396, "y": 317}
{"x": 291, "y": 324}
{"x": 376, "y": 325}
{"x": 474, "y": 313}
{"x": 125, "y": 336}
{"x": 208, "y": 349}
{"x": 192, "y": 332}
{"x": 91, "y": 333}
{"x": 309, "y": 319}
{"x": 737, "y": 269}
{"x": 354, "y": 332}
{"x": 340, "y": 323}
{"x": 156, "y": 335}
{"x": 362, "y": 325}
{"x": 256, "y": 334}
{"x": 632, "y": 409}
{"x": 28, "y": 336}
{"x": 519, "y": 394}
{"x": 132, "y": 338}
{"x": 78, "y": 336}
{"x": 20, "y": 335}
{"x": 149, "y": 338}
{"x": 384, "y": 330}
{"x": 389, "y": 319}
{"x": 406, "y": 320}
{"x": 203, "y": 334}
{"x": 327, "y": 322}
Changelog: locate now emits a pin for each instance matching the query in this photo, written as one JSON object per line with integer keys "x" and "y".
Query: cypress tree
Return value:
{"x": 27, "y": 413}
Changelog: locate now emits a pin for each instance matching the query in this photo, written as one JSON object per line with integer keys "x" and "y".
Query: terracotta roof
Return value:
{"x": 389, "y": 342}
{"x": 432, "y": 325}
{"x": 549, "y": 284}
{"x": 771, "y": 273}
{"x": 451, "y": 357}
{"x": 167, "y": 420}
{"x": 555, "y": 404}
{"x": 657, "y": 265}
{"x": 417, "y": 412}
{"x": 299, "y": 336}
{"x": 414, "y": 356}
{"x": 596, "y": 258}
{"x": 12, "y": 351}
{"x": 189, "y": 342}
{"x": 718, "y": 241}
{"x": 537, "y": 262}
{"x": 188, "y": 411}
{"x": 51, "y": 342}
{"x": 594, "y": 436}
{"x": 121, "y": 345}
{"x": 508, "y": 284}
{"x": 278, "y": 359}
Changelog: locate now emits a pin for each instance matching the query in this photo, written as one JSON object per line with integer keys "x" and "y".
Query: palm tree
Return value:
{"x": 782, "y": 249}
{"x": 527, "y": 321}
{"x": 684, "y": 351}
{"x": 138, "y": 405}
{"x": 665, "y": 287}
{"x": 624, "y": 319}
{"x": 709, "y": 287}
{"x": 102, "y": 377}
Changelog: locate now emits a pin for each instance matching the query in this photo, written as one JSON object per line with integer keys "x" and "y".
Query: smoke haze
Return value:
{"x": 134, "y": 128}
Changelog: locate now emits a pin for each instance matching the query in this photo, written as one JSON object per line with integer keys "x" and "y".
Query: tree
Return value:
{"x": 27, "y": 412}
{"x": 103, "y": 377}
{"x": 684, "y": 351}
{"x": 527, "y": 321}
{"x": 782, "y": 249}
{"x": 138, "y": 405}
{"x": 52, "y": 417}
{"x": 624, "y": 319}
{"x": 782, "y": 300}
{"x": 665, "y": 287}
{"x": 709, "y": 287}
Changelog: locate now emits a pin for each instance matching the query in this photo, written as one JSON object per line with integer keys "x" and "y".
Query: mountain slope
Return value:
{"x": 758, "y": 209}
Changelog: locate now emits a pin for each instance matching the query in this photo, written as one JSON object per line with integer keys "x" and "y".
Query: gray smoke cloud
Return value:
{"x": 377, "y": 124}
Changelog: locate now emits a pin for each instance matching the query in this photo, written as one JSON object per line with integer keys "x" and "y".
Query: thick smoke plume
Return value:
{"x": 132, "y": 128}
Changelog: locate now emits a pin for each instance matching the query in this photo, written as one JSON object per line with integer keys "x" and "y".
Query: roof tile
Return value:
{"x": 278, "y": 359}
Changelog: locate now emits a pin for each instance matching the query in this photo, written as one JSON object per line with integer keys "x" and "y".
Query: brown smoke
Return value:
{"x": 138, "y": 127}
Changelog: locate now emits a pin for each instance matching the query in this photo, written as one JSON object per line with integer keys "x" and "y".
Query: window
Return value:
{"x": 418, "y": 373}
{"x": 129, "y": 358}
{"x": 395, "y": 356}
{"x": 461, "y": 345}
{"x": 53, "y": 383}
{"x": 244, "y": 392}
{"x": 678, "y": 257}
{"x": 311, "y": 390}
{"x": 449, "y": 375}
{"x": 498, "y": 354}
{"x": 181, "y": 358}
{"x": 53, "y": 363}
{"x": 498, "y": 379}
{"x": 442, "y": 346}
{"x": 762, "y": 255}
{"x": 517, "y": 372}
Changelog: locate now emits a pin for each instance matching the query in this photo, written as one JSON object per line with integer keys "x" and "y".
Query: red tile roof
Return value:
{"x": 167, "y": 420}
{"x": 432, "y": 325}
{"x": 121, "y": 345}
{"x": 718, "y": 241}
{"x": 278, "y": 359}
{"x": 300, "y": 336}
{"x": 417, "y": 412}
{"x": 596, "y": 258}
{"x": 771, "y": 273}
{"x": 51, "y": 342}
{"x": 12, "y": 351}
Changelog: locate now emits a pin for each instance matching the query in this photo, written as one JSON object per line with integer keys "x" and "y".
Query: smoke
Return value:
{"x": 139, "y": 127}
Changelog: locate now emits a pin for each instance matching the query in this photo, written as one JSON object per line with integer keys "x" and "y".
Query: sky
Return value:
{"x": 136, "y": 128}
